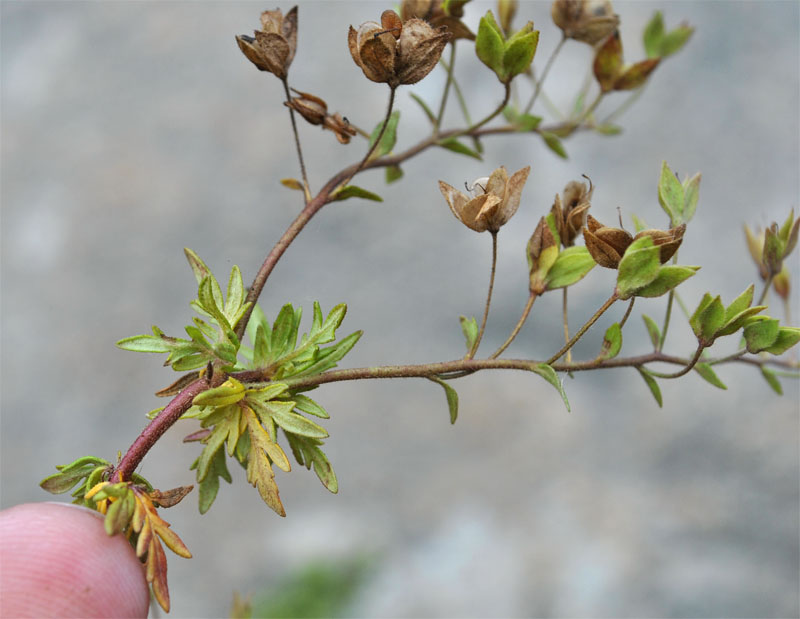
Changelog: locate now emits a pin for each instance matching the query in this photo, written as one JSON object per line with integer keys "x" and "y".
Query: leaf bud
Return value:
{"x": 589, "y": 21}
{"x": 396, "y": 52}
{"x": 273, "y": 47}
{"x": 493, "y": 200}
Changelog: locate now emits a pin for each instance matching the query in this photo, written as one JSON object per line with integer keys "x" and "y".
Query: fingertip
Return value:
{"x": 57, "y": 560}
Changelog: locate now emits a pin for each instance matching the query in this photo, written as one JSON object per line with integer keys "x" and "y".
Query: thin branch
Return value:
{"x": 450, "y": 67}
{"x": 517, "y": 328}
{"x": 545, "y": 71}
{"x": 685, "y": 370}
{"x": 565, "y": 319}
{"x": 306, "y": 187}
{"x": 627, "y": 313}
{"x": 584, "y": 329}
{"x": 482, "y": 329}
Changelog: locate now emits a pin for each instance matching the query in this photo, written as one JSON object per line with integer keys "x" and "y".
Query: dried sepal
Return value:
{"x": 589, "y": 21}
{"x": 273, "y": 47}
{"x": 570, "y": 211}
{"x": 315, "y": 111}
{"x": 611, "y": 72}
{"x": 433, "y": 12}
{"x": 396, "y": 52}
{"x": 493, "y": 202}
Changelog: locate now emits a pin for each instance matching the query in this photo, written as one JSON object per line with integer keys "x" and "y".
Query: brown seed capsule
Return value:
{"x": 590, "y": 21}
{"x": 569, "y": 212}
{"x": 403, "y": 53}
{"x": 274, "y": 46}
{"x": 315, "y": 111}
{"x": 608, "y": 245}
{"x": 493, "y": 200}
{"x": 432, "y": 11}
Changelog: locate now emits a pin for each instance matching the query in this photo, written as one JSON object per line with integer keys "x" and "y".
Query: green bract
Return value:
{"x": 506, "y": 57}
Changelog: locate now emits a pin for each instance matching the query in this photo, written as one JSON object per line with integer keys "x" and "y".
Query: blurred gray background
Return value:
{"x": 133, "y": 129}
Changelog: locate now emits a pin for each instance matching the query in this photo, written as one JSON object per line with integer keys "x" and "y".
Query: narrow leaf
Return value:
{"x": 452, "y": 398}
{"x": 708, "y": 374}
{"x": 772, "y": 379}
{"x": 652, "y": 330}
{"x": 670, "y": 195}
{"x": 653, "y": 385}
{"x": 353, "y": 191}
{"x": 612, "y": 342}
{"x": 554, "y": 143}
{"x": 469, "y": 327}
{"x": 457, "y": 147}
{"x": 428, "y": 112}
{"x": 549, "y": 374}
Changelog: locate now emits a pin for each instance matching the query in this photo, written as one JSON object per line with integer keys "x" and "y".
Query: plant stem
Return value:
{"x": 625, "y": 105}
{"x": 162, "y": 422}
{"x": 449, "y": 66}
{"x": 668, "y": 315}
{"x": 627, "y": 313}
{"x": 566, "y": 321}
{"x": 517, "y": 328}
{"x": 764, "y": 292}
{"x": 683, "y": 371}
{"x": 545, "y": 71}
{"x": 314, "y": 205}
{"x": 306, "y": 187}
{"x": 477, "y": 343}
{"x": 583, "y": 329}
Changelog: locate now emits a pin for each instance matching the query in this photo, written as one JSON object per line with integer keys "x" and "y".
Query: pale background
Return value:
{"x": 133, "y": 129}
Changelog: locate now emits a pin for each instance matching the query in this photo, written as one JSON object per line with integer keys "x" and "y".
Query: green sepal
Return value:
{"x": 772, "y": 379}
{"x": 612, "y": 342}
{"x": 652, "y": 385}
{"x": 691, "y": 194}
{"x": 353, "y": 191}
{"x": 652, "y": 330}
{"x": 490, "y": 45}
{"x": 653, "y": 35}
{"x": 457, "y": 147}
{"x": 519, "y": 51}
{"x": 554, "y": 143}
{"x": 469, "y": 327}
{"x": 638, "y": 223}
{"x": 708, "y": 319}
{"x": 669, "y": 277}
{"x": 229, "y": 392}
{"x": 761, "y": 334}
{"x": 393, "y": 173}
{"x": 452, "y": 398}
{"x": 639, "y": 266}
{"x": 549, "y": 374}
{"x": 708, "y": 374}
{"x": 670, "y": 195}
{"x": 787, "y": 337}
{"x": 389, "y": 137}
{"x": 427, "y": 110}
{"x": 571, "y": 266}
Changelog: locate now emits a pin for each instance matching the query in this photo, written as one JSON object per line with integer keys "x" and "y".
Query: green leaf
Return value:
{"x": 652, "y": 385}
{"x": 452, "y": 398}
{"x": 740, "y": 303}
{"x": 669, "y": 276}
{"x": 639, "y": 266}
{"x": 331, "y": 355}
{"x": 691, "y": 194}
{"x": 235, "y": 296}
{"x": 119, "y": 514}
{"x": 294, "y": 423}
{"x": 521, "y": 122}
{"x": 469, "y": 326}
{"x": 612, "y": 342}
{"x": 787, "y": 337}
{"x": 145, "y": 343}
{"x": 353, "y": 191}
{"x": 761, "y": 334}
{"x": 393, "y": 173}
{"x": 519, "y": 52}
{"x": 608, "y": 129}
{"x": 389, "y": 137}
{"x": 259, "y": 470}
{"x": 309, "y": 406}
{"x": 201, "y": 271}
{"x": 229, "y": 392}
{"x": 708, "y": 374}
{"x": 292, "y": 183}
{"x": 211, "y": 302}
{"x": 209, "y": 486}
{"x": 324, "y": 470}
{"x": 670, "y": 195}
{"x": 772, "y": 379}
{"x": 457, "y": 147}
{"x": 489, "y": 45}
{"x": 58, "y": 483}
{"x": 709, "y": 320}
{"x": 653, "y": 35}
{"x": 571, "y": 266}
{"x": 549, "y": 374}
{"x": 652, "y": 330}
{"x": 428, "y": 112}
{"x": 554, "y": 144}
{"x": 284, "y": 330}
